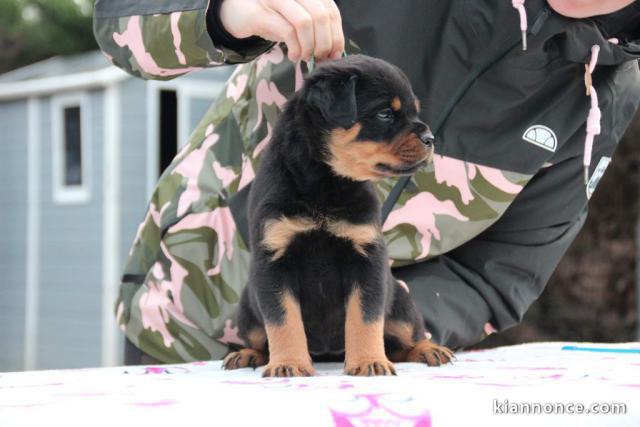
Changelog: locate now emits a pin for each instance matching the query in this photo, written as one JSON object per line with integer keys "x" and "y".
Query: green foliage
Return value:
{"x": 32, "y": 30}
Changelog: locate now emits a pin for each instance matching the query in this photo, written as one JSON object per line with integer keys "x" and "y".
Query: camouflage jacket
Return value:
{"x": 476, "y": 235}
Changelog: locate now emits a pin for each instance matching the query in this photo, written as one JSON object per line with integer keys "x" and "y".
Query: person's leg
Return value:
{"x": 133, "y": 356}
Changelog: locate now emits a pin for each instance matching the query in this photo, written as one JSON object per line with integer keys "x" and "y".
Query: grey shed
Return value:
{"x": 81, "y": 147}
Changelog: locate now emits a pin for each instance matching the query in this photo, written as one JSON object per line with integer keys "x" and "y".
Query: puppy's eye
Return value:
{"x": 385, "y": 115}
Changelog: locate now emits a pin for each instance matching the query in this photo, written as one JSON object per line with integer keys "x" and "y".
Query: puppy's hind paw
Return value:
{"x": 247, "y": 357}
{"x": 429, "y": 353}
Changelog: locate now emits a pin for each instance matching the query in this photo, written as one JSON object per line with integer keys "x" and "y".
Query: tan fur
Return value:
{"x": 288, "y": 343}
{"x": 360, "y": 234}
{"x": 279, "y": 233}
{"x": 402, "y": 331}
{"x": 257, "y": 338}
{"x": 357, "y": 160}
{"x": 364, "y": 342}
{"x": 396, "y": 104}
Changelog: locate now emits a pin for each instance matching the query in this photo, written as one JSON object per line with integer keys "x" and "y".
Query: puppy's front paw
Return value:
{"x": 432, "y": 354}
{"x": 288, "y": 369}
{"x": 247, "y": 357}
{"x": 369, "y": 368}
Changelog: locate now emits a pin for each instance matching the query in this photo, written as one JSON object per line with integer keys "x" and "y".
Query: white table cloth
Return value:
{"x": 474, "y": 391}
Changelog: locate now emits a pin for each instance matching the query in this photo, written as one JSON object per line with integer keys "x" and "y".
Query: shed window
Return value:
{"x": 72, "y": 146}
{"x": 70, "y": 134}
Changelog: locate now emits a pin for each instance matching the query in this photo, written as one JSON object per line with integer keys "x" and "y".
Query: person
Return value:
{"x": 527, "y": 101}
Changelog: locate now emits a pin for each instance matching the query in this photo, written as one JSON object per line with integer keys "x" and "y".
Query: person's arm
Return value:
{"x": 163, "y": 40}
{"x": 587, "y": 8}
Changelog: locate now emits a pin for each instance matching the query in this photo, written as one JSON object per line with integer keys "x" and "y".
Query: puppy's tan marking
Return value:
{"x": 396, "y": 104}
{"x": 288, "y": 351}
{"x": 402, "y": 331}
{"x": 357, "y": 160}
{"x": 278, "y": 233}
{"x": 364, "y": 342}
{"x": 360, "y": 235}
{"x": 257, "y": 338}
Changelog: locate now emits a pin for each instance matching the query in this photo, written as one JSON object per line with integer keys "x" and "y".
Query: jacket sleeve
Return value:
{"x": 165, "y": 39}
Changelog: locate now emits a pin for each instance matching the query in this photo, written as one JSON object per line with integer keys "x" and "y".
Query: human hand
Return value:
{"x": 587, "y": 8}
{"x": 308, "y": 27}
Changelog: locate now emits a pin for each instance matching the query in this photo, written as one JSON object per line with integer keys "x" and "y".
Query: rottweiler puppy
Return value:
{"x": 320, "y": 282}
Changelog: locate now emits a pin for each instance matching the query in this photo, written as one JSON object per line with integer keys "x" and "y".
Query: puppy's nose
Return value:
{"x": 426, "y": 136}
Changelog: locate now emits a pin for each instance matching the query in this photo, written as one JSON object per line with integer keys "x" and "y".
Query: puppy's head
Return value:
{"x": 369, "y": 114}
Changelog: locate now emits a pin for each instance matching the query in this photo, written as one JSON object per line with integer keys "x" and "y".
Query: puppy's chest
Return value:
{"x": 288, "y": 236}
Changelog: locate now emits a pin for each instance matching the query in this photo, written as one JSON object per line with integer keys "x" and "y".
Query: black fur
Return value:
{"x": 295, "y": 180}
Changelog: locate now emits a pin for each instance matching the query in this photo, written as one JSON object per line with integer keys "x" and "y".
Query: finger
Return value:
{"x": 300, "y": 19}
{"x": 275, "y": 28}
{"x": 321, "y": 27}
{"x": 337, "y": 32}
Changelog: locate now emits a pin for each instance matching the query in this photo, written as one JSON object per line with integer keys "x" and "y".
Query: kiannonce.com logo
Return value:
{"x": 506, "y": 407}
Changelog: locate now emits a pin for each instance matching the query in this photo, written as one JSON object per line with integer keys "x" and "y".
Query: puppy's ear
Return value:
{"x": 336, "y": 100}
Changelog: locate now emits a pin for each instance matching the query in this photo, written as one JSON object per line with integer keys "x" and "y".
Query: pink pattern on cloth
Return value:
{"x": 230, "y": 334}
{"x": 489, "y": 329}
{"x": 267, "y": 93}
{"x": 156, "y": 403}
{"x": 372, "y": 410}
{"x": 459, "y": 174}
{"x": 274, "y": 56}
{"x": 156, "y": 370}
{"x": 177, "y": 37}
{"x": 162, "y": 299}
{"x": 248, "y": 174}
{"x": 190, "y": 168}
{"x": 420, "y": 211}
{"x": 155, "y": 215}
{"x": 132, "y": 38}
{"x": 224, "y": 174}
{"x": 221, "y": 221}
{"x": 260, "y": 146}
{"x": 453, "y": 172}
{"x": 496, "y": 178}
{"x": 237, "y": 88}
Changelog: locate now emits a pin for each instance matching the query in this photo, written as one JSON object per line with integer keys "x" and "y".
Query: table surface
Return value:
{"x": 479, "y": 389}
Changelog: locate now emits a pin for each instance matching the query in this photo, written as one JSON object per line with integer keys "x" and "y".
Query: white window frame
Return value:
{"x": 70, "y": 194}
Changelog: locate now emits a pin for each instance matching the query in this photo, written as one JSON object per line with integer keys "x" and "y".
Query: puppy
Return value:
{"x": 320, "y": 282}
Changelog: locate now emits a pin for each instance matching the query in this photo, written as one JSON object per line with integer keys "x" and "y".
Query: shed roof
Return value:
{"x": 58, "y": 66}
{"x": 75, "y": 72}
